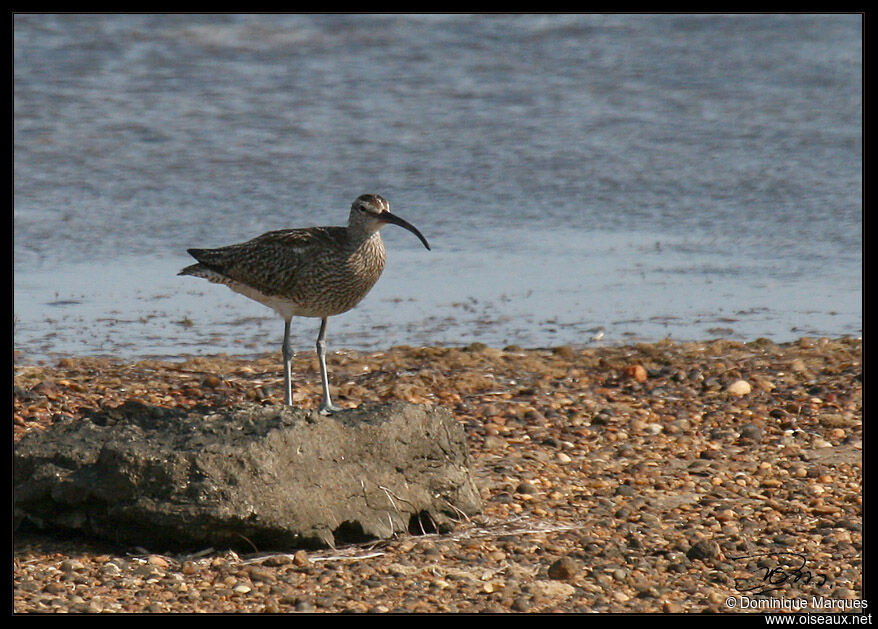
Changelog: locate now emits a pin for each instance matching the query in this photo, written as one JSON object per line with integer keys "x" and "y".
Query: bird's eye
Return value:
{"x": 362, "y": 208}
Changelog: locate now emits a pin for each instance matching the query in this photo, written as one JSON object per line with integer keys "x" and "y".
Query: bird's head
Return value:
{"x": 371, "y": 212}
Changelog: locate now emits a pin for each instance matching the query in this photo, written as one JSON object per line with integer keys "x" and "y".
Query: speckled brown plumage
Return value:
{"x": 316, "y": 272}
{"x": 310, "y": 272}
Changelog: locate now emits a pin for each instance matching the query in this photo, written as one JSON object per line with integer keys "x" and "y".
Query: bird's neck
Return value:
{"x": 364, "y": 238}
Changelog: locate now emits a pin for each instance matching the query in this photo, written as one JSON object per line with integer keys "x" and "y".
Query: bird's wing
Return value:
{"x": 271, "y": 262}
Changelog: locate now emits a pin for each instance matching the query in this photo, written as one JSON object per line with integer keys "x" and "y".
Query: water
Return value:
{"x": 643, "y": 176}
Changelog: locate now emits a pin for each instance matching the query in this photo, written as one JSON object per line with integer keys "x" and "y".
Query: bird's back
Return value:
{"x": 314, "y": 272}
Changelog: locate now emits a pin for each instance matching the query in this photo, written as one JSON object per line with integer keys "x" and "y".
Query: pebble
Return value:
{"x": 212, "y": 382}
{"x": 305, "y": 606}
{"x": 72, "y": 565}
{"x": 837, "y": 434}
{"x": 625, "y": 490}
{"x": 726, "y": 515}
{"x": 704, "y": 549}
{"x": 655, "y": 514}
{"x": 550, "y": 589}
{"x": 637, "y": 372}
{"x": 739, "y": 388}
{"x": 526, "y": 488}
{"x": 300, "y": 558}
{"x": 752, "y": 432}
{"x": 521, "y": 604}
{"x": 563, "y": 569}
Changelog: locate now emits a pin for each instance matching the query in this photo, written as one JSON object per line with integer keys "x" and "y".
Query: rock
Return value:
{"x": 563, "y": 569}
{"x": 704, "y": 549}
{"x": 301, "y": 558}
{"x": 525, "y": 487}
{"x": 276, "y": 477}
{"x": 752, "y": 432}
{"x": 636, "y": 372}
{"x": 305, "y": 606}
{"x": 551, "y": 590}
{"x": 625, "y": 490}
{"x": 739, "y": 388}
{"x": 521, "y": 604}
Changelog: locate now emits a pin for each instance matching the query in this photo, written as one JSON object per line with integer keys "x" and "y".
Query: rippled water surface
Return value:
{"x": 637, "y": 176}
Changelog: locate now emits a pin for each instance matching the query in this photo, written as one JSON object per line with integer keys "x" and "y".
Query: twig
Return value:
{"x": 390, "y": 493}
{"x": 255, "y": 549}
{"x": 200, "y": 553}
{"x": 255, "y": 560}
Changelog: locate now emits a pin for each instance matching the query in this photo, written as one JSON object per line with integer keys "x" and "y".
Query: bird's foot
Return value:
{"x": 329, "y": 408}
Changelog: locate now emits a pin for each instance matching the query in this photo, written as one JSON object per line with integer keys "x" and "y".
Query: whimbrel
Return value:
{"x": 310, "y": 272}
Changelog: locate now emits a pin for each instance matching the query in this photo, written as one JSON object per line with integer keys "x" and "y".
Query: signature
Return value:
{"x": 791, "y": 568}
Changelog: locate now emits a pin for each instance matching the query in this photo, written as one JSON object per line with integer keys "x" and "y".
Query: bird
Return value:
{"x": 307, "y": 272}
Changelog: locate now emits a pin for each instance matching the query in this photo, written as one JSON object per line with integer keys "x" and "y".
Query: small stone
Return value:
{"x": 704, "y": 549}
{"x": 29, "y": 586}
{"x": 716, "y": 597}
{"x": 278, "y": 560}
{"x": 55, "y": 588}
{"x": 563, "y": 569}
{"x": 752, "y": 432}
{"x": 110, "y": 569}
{"x": 300, "y": 558}
{"x": 72, "y": 565}
{"x": 564, "y": 351}
{"x": 551, "y": 589}
{"x": 784, "y": 540}
{"x": 526, "y": 488}
{"x": 725, "y": 515}
{"x": 261, "y": 574}
{"x": 189, "y": 568}
{"x": 637, "y": 372}
{"x": 271, "y": 606}
{"x": 212, "y": 382}
{"x": 850, "y": 524}
{"x": 647, "y": 591}
{"x": 304, "y": 606}
{"x": 625, "y": 490}
{"x": 521, "y": 604}
{"x": 739, "y": 388}
{"x": 798, "y": 366}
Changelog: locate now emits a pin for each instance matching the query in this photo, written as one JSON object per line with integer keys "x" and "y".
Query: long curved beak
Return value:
{"x": 387, "y": 217}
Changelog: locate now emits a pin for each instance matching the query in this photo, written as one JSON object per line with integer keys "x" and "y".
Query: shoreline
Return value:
{"x": 617, "y": 479}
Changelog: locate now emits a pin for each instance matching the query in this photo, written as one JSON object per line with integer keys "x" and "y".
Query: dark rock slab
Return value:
{"x": 273, "y": 477}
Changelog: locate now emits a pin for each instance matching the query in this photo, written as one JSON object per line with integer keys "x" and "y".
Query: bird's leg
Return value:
{"x": 288, "y": 357}
{"x": 326, "y": 406}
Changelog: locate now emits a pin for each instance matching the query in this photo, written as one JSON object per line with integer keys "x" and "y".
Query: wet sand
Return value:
{"x": 663, "y": 477}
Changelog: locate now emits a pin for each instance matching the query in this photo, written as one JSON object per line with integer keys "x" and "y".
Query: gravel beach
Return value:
{"x": 668, "y": 477}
